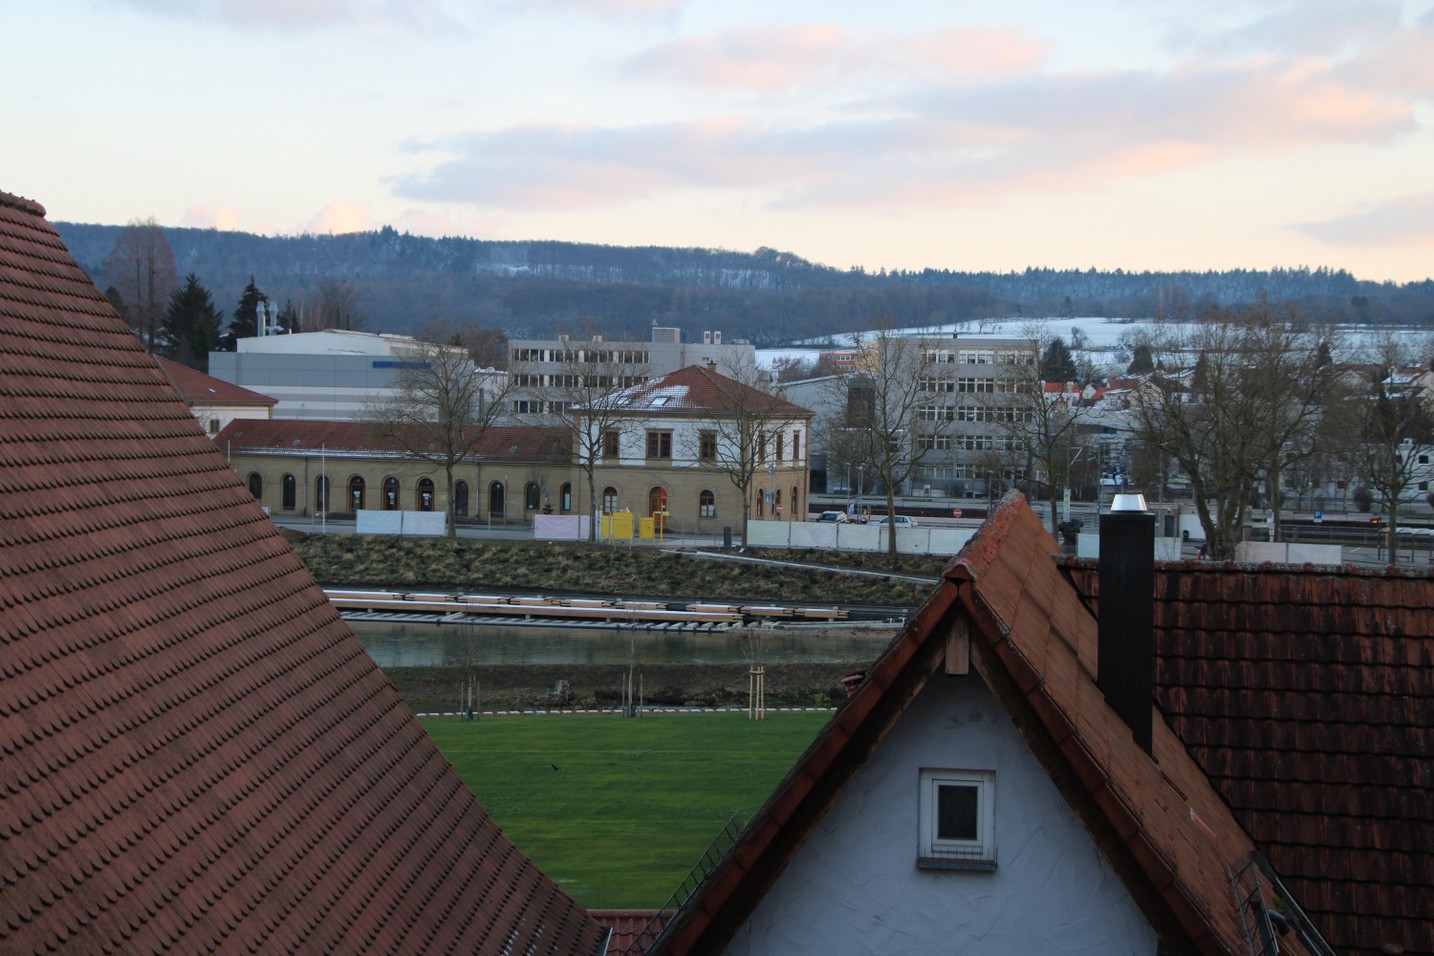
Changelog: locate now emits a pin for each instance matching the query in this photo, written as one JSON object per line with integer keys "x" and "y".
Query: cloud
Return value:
{"x": 1323, "y": 28}
{"x": 949, "y": 143}
{"x": 1402, "y": 220}
{"x": 222, "y": 218}
{"x": 418, "y": 15}
{"x": 774, "y": 57}
{"x": 339, "y": 217}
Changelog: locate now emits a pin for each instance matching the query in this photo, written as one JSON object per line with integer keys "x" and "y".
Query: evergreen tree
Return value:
{"x": 191, "y": 326}
{"x": 288, "y": 318}
{"x": 247, "y": 314}
{"x": 1141, "y": 361}
{"x": 1057, "y": 363}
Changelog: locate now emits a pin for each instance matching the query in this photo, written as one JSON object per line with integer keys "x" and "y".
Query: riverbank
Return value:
{"x": 434, "y": 690}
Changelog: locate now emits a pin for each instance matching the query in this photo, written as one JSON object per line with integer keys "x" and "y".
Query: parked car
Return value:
{"x": 838, "y": 516}
{"x": 901, "y": 521}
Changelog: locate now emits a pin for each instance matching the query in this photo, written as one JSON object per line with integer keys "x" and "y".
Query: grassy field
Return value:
{"x": 633, "y": 802}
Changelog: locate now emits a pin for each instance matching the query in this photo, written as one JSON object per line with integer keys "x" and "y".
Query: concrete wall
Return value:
{"x": 854, "y": 887}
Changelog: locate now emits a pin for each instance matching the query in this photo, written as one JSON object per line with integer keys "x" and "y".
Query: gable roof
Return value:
{"x": 197, "y": 388}
{"x": 702, "y": 390}
{"x": 198, "y": 755}
{"x": 1305, "y": 694}
{"x": 1158, "y": 821}
{"x": 517, "y": 443}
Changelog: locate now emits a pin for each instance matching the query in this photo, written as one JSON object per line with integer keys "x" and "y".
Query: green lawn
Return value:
{"x": 634, "y": 802}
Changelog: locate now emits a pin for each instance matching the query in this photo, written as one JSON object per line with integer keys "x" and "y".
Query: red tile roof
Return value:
{"x": 1159, "y": 822}
{"x": 516, "y": 443}
{"x": 197, "y": 388}
{"x": 702, "y": 390}
{"x": 1305, "y": 693}
{"x": 198, "y": 756}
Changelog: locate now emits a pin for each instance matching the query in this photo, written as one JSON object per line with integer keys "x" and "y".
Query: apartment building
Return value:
{"x": 549, "y": 376}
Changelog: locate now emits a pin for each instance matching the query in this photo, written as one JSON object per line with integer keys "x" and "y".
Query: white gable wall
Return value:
{"x": 855, "y": 887}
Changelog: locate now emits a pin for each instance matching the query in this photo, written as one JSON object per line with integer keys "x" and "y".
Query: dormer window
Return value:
{"x": 957, "y": 828}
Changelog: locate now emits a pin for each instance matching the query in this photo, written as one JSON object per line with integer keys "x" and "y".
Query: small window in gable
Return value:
{"x": 957, "y": 827}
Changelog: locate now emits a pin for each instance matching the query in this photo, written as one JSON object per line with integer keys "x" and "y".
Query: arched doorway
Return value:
{"x": 495, "y": 501}
{"x": 794, "y": 505}
{"x": 356, "y": 491}
{"x": 609, "y": 500}
{"x": 256, "y": 485}
{"x": 321, "y": 494}
{"x": 390, "y": 494}
{"x": 657, "y": 506}
{"x": 761, "y": 502}
{"x": 567, "y": 498}
{"x": 460, "y": 499}
{"x": 290, "y": 493}
{"x": 706, "y": 504}
{"x": 531, "y": 495}
{"x": 425, "y": 494}
{"x": 777, "y": 505}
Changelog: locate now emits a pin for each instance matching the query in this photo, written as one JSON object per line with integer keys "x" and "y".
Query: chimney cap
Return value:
{"x": 1128, "y": 502}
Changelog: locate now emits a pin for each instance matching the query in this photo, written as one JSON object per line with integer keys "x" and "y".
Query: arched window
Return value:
{"x": 609, "y": 500}
{"x": 796, "y": 511}
{"x": 256, "y": 485}
{"x": 460, "y": 498}
{"x": 291, "y": 493}
{"x": 321, "y": 494}
{"x": 777, "y": 505}
{"x": 657, "y": 504}
{"x": 356, "y": 493}
{"x": 495, "y": 501}
{"x": 706, "y": 505}
{"x": 761, "y": 502}
{"x": 567, "y": 498}
{"x": 531, "y": 493}
{"x": 390, "y": 494}
{"x": 425, "y": 494}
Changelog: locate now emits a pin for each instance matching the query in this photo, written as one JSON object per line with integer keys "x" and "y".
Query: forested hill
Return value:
{"x": 534, "y": 289}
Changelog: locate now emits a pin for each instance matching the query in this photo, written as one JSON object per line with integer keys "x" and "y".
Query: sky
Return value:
{"x": 1132, "y": 134}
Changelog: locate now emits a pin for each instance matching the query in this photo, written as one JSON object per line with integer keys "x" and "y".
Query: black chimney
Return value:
{"x": 1126, "y": 663}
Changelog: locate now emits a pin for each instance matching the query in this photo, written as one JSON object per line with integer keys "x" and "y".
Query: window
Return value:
{"x": 957, "y": 820}
{"x": 390, "y": 494}
{"x": 976, "y": 385}
{"x": 762, "y": 447}
{"x": 706, "y": 505}
{"x": 567, "y": 498}
{"x": 460, "y": 499}
{"x": 321, "y": 493}
{"x": 425, "y": 494}
{"x": 497, "y": 501}
{"x": 290, "y": 493}
{"x": 659, "y": 445}
{"x": 609, "y": 500}
{"x": 213, "y": 426}
{"x": 530, "y": 496}
{"x": 356, "y": 490}
{"x": 797, "y": 445}
{"x": 609, "y": 444}
{"x": 256, "y": 485}
{"x": 779, "y": 451}
{"x": 707, "y": 446}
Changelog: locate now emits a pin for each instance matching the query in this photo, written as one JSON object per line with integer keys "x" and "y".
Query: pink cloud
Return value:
{"x": 1398, "y": 221}
{"x": 339, "y": 217}
{"x": 223, "y": 218}
{"x": 772, "y": 57}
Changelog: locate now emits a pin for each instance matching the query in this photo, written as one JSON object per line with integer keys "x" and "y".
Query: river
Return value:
{"x": 392, "y": 644}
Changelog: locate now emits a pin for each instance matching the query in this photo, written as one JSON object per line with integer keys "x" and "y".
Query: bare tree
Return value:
{"x": 1231, "y": 419}
{"x": 876, "y": 429}
{"x": 582, "y": 398}
{"x": 142, "y": 269}
{"x": 741, "y": 438}
{"x": 443, "y": 406}
{"x": 1041, "y": 418}
{"x": 1386, "y": 425}
{"x": 337, "y": 308}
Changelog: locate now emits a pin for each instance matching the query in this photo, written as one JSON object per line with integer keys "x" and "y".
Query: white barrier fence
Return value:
{"x": 400, "y": 522}
{"x": 561, "y": 527}
{"x": 855, "y": 537}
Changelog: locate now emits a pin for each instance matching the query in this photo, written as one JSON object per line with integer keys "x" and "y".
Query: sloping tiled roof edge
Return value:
{"x": 1158, "y": 821}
